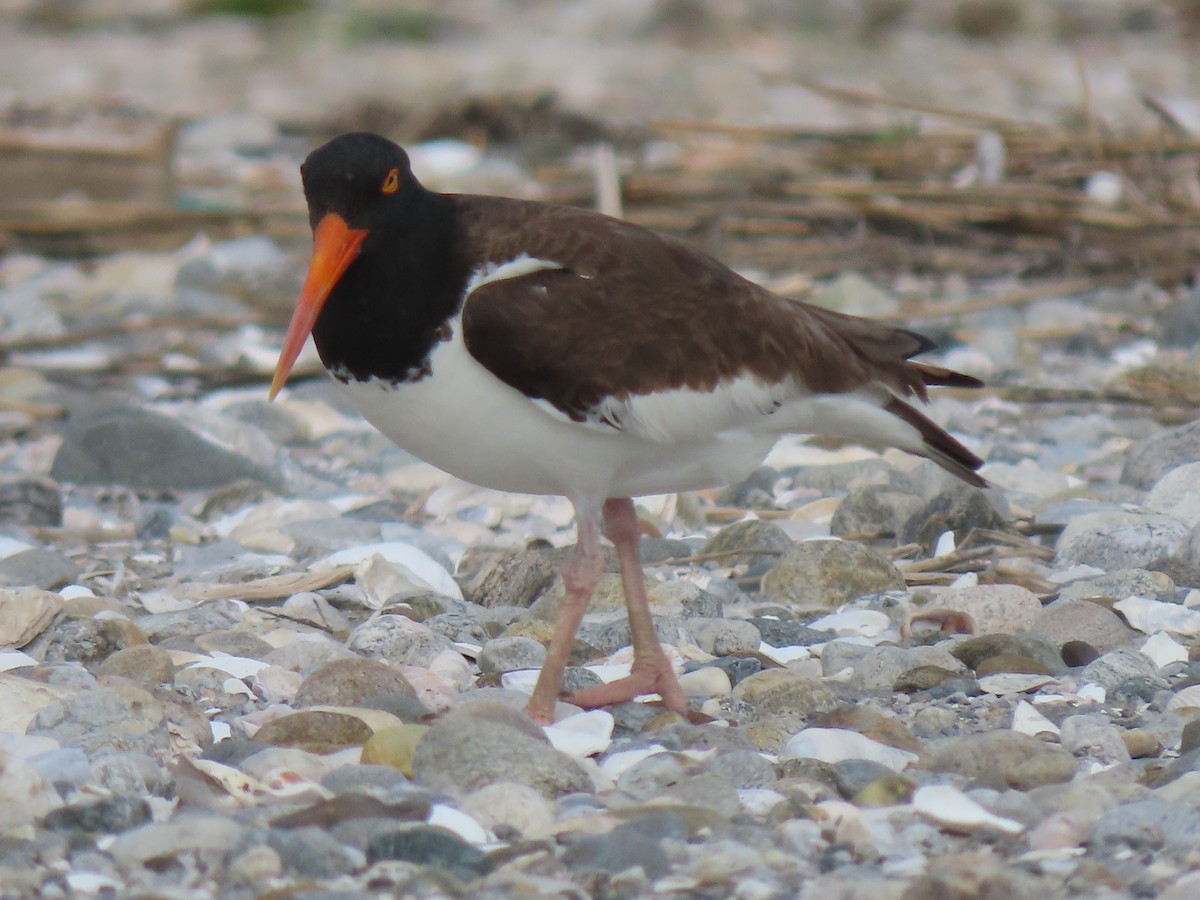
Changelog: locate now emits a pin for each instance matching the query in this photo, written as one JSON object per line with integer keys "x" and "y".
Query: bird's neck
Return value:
{"x": 390, "y": 307}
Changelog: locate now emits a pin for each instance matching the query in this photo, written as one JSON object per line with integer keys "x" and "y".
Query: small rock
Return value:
{"x": 994, "y": 608}
{"x": 397, "y": 641}
{"x": 959, "y": 509}
{"x": 145, "y": 450}
{"x": 1095, "y": 736}
{"x": 722, "y": 637}
{"x": 881, "y": 667}
{"x": 317, "y": 731}
{"x": 482, "y": 743}
{"x": 1151, "y": 826}
{"x": 506, "y": 804}
{"x": 1151, "y": 459}
{"x": 510, "y": 653}
{"x": 922, "y": 678}
{"x": 1120, "y": 539}
{"x": 819, "y": 575}
{"x": 874, "y": 509}
{"x": 708, "y": 681}
{"x": 1117, "y": 666}
{"x": 348, "y": 682}
{"x": 39, "y": 568}
{"x": 1085, "y": 621}
{"x": 30, "y": 500}
{"x": 393, "y": 747}
{"x": 739, "y": 542}
{"x": 117, "y": 718}
{"x": 143, "y": 664}
{"x": 107, "y": 815}
{"x": 1119, "y": 584}
{"x": 309, "y": 852}
{"x": 1001, "y": 759}
{"x": 428, "y": 845}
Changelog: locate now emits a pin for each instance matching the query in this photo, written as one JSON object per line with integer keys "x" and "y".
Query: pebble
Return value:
{"x": 483, "y": 743}
{"x": 819, "y": 575}
{"x": 1001, "y": 759}
{"x": 1120, "y": 539}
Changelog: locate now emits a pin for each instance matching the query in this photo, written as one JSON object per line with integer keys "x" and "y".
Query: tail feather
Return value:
{"x": 938, "y": 445}
{"x": 943, "y": 377}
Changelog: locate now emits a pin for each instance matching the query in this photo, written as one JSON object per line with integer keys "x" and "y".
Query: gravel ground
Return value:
{"x": 252, "y": 649}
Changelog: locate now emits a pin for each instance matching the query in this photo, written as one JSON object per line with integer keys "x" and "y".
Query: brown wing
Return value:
{"x": 631, "y": 312}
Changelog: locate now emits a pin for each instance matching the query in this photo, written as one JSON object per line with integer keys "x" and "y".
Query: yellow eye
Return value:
{"x": 392, "y": 182}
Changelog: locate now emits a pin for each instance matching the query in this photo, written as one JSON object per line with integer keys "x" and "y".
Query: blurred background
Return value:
{"x": 925, "y": 160}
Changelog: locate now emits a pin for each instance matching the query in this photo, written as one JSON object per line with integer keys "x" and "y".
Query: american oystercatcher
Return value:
{"x": 546, "y": 349}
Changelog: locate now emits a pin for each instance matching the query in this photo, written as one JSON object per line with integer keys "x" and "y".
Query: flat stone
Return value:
{"x": 37, "y": 567}
{"x": 145, "y": 450}
{"x": 1120, "y": 584}
{"x": 1001, "y": 759}
{"x": 116, "y": 718}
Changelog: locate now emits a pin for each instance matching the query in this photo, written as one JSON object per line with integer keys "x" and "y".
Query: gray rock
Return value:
{"x": 459, "y": 625}
{"x": 426, "y": 845}
{"x": 1177, "y": 494}
{"x": 364, "y": 779}
{"x": 610, "y": 637}
{"x": 309, "y": 852}
{"x": 722, "y": 637}
{"x": 86, "y": 641}
{"x": 37, "y": 567}
{"x": 29, "y": 500}
{"x": 1095, "y": 736}
{"x": 877, "y": 668}
{"x": 959, "y": 509}
{"x": 107, "y": 815}
{"x": 482, "y": 743}
{"x": 146, "y": 450}
{"x": 874, "y": 509}
{"x": 1001, "y": 759}
{"x": 1116, "y": 666}
{"x": 506, "y": 654}
{"x": 744, "y": 769}
{"x": 753, "y": 543}
{"x": 348, "y": 682}
{"x": 1120, "y": 539}
{"x": 788, "y": 632}
{"x": 393, "y": 640}
{"x": 1121, "y": 584}
{"x": 216, "y": 615}
{"x": 117, "y": 718}
{"x": 1064, "y": 621}
{"x": 840, "y": 477}
{"x": 1152, "y": 458}
{"x": 1147, "y": 826}
{"x": 819, "y": 575}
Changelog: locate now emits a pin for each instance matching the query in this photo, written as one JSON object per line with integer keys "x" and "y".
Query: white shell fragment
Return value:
{"x": 954, "y": 810}
{"x": 1150, "y": 616}
{"x": 1027, "y": 720}
{"x": 1162, "y": 649}
{"x": 1186, "y": 698}
{"x": 460, "y": 823}
{"x": 836, "y": 744}
{"x": 867, "y": 623}
{"x": 422, "y": 572}
{"x": 582, "y": 735}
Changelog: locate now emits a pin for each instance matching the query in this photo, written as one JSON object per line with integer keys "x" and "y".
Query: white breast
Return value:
{"x": 465, "y": 421}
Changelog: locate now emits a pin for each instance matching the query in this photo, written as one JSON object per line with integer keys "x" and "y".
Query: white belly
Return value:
{"x": 468, "y": 423}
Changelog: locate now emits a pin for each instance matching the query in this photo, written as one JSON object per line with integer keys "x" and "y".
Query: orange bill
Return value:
{"x": 335, "y": 246}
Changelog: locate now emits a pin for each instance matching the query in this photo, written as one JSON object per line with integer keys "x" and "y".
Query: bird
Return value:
{"x": 548, "y": 349}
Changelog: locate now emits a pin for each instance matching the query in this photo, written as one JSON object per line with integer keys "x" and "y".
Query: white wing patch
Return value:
{"x": 513, "y": 268}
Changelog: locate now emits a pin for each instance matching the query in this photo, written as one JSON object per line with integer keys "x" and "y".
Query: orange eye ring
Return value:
{"x": 392, "y": 182}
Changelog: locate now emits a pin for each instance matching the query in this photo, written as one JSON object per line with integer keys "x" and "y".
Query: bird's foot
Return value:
{"x": 654, "y": 677}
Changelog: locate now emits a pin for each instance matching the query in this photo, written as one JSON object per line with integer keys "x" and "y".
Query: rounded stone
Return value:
{"x": 1120, "y": 539}
{"x": 819, "y": 575}
{"x": 510, "y": 653}
{"x": 316, "y": 731}
{"x": 1001, "y": 759}
{"x": 143, "y": 664}
{"x": 348, "y": 682}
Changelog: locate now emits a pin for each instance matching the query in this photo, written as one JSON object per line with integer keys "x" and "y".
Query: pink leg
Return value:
{"x": 579, "y": 576}
{"x": 651, "y": 671}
